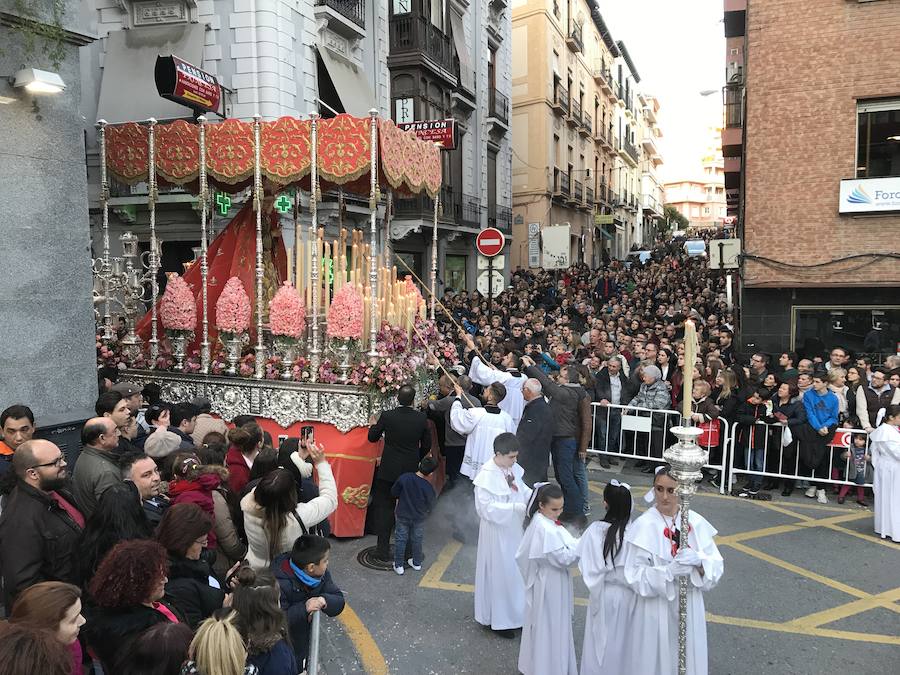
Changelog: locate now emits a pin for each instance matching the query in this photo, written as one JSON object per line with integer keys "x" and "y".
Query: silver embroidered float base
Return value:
{"x": 346, "y": 407}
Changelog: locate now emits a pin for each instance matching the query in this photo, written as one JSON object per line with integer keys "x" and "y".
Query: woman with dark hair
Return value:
{"x": 183, "y": 532}
{"x": 126, "y": 597}
{"x": 788, "y": 413}
{"x": 228, "y": 525}
{"x": 213, "y": 448}
{"x": 262, "y": 623}
{"x": 544, "y": 556}
{"x": 611, "y": 600}
{"x": 273, "y": 517}
{"x": 159, "y": 650}
{"x": 119, "y": 516}
{"x": 25, "y": 649}
{"x": 246, "y": 442}
{"x": 195, "y": 483}
{"x": 54, "y": 607}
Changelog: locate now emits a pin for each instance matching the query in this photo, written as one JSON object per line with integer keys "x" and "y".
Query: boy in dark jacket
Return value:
{"x": 748, "y": 413}
{"x": 415, "y": 497}
{"x": 306, "y": 587}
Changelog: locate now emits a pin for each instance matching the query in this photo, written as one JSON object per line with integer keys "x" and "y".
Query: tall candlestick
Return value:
{"x": 690, "y": 354}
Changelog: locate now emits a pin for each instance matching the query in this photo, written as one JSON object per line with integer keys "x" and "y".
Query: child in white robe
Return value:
{"x": 544, "y": 556}
{"x": 653, "y": 565}
{"x": 500, "y": 500}
{"x": 607, "y": 644}
{"x": 884, "y": 446}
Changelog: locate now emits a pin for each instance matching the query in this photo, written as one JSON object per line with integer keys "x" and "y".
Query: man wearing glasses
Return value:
{"x": 40, "y": 525}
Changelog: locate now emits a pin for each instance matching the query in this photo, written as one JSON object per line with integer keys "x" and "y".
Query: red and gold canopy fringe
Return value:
{"x": 407, "y": 164}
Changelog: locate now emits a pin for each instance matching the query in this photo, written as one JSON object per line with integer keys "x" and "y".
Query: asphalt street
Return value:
{"x": 808, "y": 588}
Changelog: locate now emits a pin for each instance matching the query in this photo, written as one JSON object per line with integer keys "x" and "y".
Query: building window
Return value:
{"x": 455, "y": 272}
{"x": 878, "y": 138}
{"x": 401, "y": 6}
{"x": 863, "y": 330}
{"x": 404, "y": 110}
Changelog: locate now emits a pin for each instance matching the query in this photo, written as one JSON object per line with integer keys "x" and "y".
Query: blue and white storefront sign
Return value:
{"x": 870, "y": 195}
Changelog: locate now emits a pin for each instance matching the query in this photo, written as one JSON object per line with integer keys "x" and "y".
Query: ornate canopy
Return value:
{"x": 406, "y": 164}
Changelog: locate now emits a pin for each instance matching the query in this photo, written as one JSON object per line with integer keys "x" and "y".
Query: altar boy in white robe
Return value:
{"x": 884, "y": 446}
{"x": 653, "y": 565}
{"x": 500, "y": 500}
{"x": 480, "y": 426}
{"x": 607, "y": 643}
{"x": 544, "y": 556}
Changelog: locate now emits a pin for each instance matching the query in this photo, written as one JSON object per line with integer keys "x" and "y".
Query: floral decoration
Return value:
{"x": 233, "y": 308}
{"x": 287, "y": 313}
{"x": 345, "y": 317}
{"x": 178, "y": 308}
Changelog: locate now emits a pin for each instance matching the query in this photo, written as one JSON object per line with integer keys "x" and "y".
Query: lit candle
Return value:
{"x": 290, "y": 265}
{"x": 690, "y": 347}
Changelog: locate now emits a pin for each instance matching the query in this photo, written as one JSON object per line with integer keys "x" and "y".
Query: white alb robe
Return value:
{"x": 480, "y": 426}
{"x": 499, "y": 589}
{"x": 544, "y": 556}
{"x": 654, "y": 625}
{"x": 884, "y": 446}
{"x": 607, "y": 643}
{"x": 513, "y": 403}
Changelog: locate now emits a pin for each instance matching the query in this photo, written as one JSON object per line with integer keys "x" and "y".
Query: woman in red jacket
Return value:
{"x": 194, "y": 483}
{"x": 246, "y": 442}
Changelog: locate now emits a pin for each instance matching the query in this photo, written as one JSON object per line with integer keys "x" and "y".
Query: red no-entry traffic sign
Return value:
{"x": 490, "y": 242}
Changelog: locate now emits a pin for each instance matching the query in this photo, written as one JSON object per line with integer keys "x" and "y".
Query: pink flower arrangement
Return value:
{"x": 346, "y": 314}
{"x": 287, "y": 313}
{"x": 178, "y": 308}
{"x": 233, "y": 308}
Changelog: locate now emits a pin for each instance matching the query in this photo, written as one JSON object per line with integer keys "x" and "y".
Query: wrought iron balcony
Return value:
{"x": 504, "y": 217}
{"x": 630, "y": 149}
{"x": 575, "y": 113}
{"x": 579, "y": 191}
{"x": 575, "y": 39}
{"x": 354, "y": 10}
{"x": 498, "y": 106}
{"x": 586, "y": 125}
{"x": 560, "y": 183}
{"x": 413, "y": 33}
{"x": 560, "y": 99}
{"x": 461, "y": 208}
{"x": 589, "y": 197}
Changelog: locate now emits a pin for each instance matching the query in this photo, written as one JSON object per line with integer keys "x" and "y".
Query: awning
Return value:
{"x": 128, "y": 90}
{"x": 606, "y": 235}
{"x": 466, "y": 72}
{"x": 350, "y": 82}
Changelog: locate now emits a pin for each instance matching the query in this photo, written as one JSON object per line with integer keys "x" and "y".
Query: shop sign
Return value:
{"x": 870, "y": 195}
{"x": 179, "y": 81}
{"x": 442, "y": 132}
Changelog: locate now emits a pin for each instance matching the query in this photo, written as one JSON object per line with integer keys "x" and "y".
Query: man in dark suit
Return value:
{"x": 407, "y": 438}
{"x": 535, "y": 433}
{"x": 610, "y": 386}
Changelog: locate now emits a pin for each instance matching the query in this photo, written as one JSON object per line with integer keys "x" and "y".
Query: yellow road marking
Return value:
{"x": 791, "y": 628}
{"x": 832, "y": 614}
{"x": 369, "y": 653}
{"x": 872, "y": 538}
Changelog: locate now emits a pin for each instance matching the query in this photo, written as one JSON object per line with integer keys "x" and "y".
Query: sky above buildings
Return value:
{"x": 678, "y": 48}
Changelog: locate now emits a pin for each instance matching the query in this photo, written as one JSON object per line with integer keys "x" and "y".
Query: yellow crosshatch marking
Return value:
{"x": 810, "y": 625}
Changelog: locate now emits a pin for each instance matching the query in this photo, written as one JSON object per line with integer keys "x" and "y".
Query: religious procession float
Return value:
{"x": 318, "y": 333}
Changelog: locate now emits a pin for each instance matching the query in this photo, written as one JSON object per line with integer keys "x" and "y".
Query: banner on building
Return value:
{"x": 603, "y": 219}
{"x": 442, "y": 132}
{"x": 556, "y": 246}
{"x": 869, "y": 195}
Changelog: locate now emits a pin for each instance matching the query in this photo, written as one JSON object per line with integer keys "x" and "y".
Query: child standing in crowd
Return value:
{"x": 606, "y": 640}
{"x": 544, "y": 556}
{"x": 753, "y": 446}
{"x": 415, "y": 497}
{"x": 306, "y": 587}
{"x": 859, "y": 469}
{"x": 262, "y": 622}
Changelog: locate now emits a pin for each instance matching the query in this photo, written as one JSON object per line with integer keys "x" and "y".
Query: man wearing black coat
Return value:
{"x": 41, "y": 525}
{"x": 610, "y": 386}
{"x": 535, "y": 433}
{"x": 407, "y": 439}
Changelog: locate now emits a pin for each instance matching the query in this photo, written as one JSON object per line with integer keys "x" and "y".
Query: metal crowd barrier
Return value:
{"x": 776, "y": 465}
{"x": 312, "y": 663}
{"x": 641, "y": 433}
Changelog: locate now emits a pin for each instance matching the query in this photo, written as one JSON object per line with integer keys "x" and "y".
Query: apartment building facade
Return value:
{"x": 812, "y": 171}
{"x": 575, "y": 122}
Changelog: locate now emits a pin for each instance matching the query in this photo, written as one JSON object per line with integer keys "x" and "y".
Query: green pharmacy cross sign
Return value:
{"x": 283, "y": 204}
{"x": 224, "y": 202}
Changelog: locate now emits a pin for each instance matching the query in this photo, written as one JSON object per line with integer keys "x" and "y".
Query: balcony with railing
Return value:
{"x": 560, "y": 183}
{"x": 504, "y": 217}
{"x": 599, "y": 71}
{"x": 575, "y": 113}
{"x": 733, "y": 106}
{"x": 601, "y": 196}
{"x": 575, "y": 39}
{"x": 587, "y": 127}
{"x": 415, "y": 34}
{"x": 588, "y": 197}
{"x": 352, "y": 10}
{"x": 498, "y": 106}
{"x": 604, "y": 137}
{"x": 560, "y": 99}
{"x": 578, "y": 192}
{"x": 628, "y": 152}
{"x": 462, "y": 209}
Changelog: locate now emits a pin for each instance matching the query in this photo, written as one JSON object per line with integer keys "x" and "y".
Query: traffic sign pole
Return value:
{"x": 490, "y": 289}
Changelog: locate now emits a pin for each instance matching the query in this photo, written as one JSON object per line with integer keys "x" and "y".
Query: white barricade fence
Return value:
{"x": 776, "y": 459}
{"x": 641, "y": 433}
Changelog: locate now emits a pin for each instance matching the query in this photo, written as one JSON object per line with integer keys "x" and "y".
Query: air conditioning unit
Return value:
{"x": 734, "y": 73}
